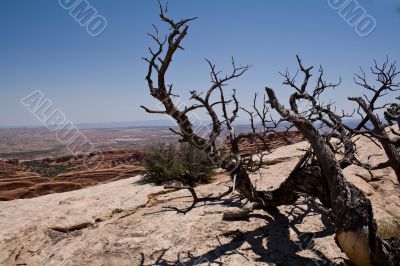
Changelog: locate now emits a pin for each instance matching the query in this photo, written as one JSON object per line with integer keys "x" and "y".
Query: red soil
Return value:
{"x": 17, "y": 182}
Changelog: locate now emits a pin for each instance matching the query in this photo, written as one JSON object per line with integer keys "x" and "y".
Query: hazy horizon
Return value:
{"x": 101, "y": 79}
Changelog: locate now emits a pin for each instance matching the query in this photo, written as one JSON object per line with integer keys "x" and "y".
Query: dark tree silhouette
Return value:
{"x": 385, "y": 76}
{"x": 317, "y": 174}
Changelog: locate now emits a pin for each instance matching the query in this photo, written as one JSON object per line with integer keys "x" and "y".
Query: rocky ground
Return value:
{"x": 127, "y": 222}
{"x": 20, "y": 179}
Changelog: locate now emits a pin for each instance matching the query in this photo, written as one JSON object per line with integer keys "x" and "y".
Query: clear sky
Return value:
{"x": 101, "y": 79}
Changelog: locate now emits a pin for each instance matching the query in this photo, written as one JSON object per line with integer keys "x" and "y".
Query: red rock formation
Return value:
{"x": 20, "y": 180}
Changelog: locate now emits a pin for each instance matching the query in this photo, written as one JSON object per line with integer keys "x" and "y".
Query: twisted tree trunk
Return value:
{"x": 353, "y": 217}
{"x": 389, "y": 148}
{"x": 322, "y": 178}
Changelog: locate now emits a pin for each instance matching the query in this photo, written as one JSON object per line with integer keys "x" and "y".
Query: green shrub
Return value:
{"x": 183, "y": 163}
{"x": 44, "y": 169}
{"x": 392, "y": 111}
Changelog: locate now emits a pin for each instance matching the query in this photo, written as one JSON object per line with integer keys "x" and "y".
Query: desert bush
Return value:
{"x": 183, "y": 163}
{"x": 392, "y": 112}
{"x": 44, "y": 169}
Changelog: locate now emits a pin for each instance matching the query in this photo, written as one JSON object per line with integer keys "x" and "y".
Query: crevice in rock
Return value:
{"x": 71, "y": 228}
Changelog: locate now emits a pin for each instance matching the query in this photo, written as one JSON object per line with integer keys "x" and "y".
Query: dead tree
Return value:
{"x": 159, "y": 63}
{"x": 318, "y": 174}
{"x": 386, "y": 75}
{"x": 352, "y": 211}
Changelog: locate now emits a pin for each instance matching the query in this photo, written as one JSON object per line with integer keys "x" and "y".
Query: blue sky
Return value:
{"x": 101, "y": 79}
